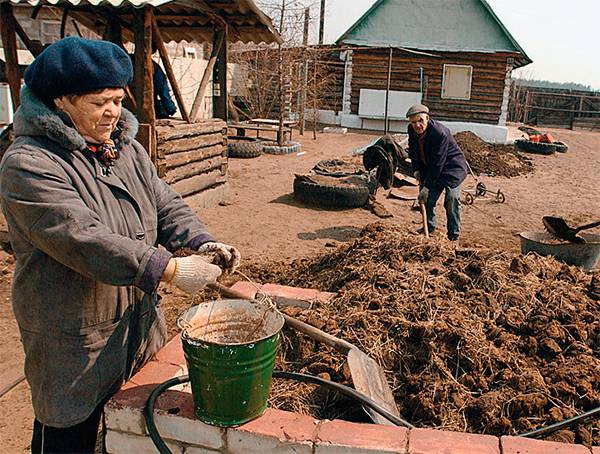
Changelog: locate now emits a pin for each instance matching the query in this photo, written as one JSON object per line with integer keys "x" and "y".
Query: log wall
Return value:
{"x": 192, "y": 157}
{"x": 370, "y": 70}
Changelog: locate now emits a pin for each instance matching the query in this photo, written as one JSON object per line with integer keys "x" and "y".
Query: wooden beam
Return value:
{"x": 218, "y": 39}
{"x": 220, "y": 80}
{"x": 169, "y": 69}
{"x": 9, "y": 42}
{"x": 114, "y": 34}
{"x": 35, "y": 47}
{"x": 144, "y": 87}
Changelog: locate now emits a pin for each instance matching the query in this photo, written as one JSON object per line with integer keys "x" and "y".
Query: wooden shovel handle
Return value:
{"x": 424, "y": 217}
{"x": 312, "y": 332}
{"x": 588, "y": 226}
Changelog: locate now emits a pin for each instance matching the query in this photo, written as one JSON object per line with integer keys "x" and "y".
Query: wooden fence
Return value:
{"x": 555, "y": 107}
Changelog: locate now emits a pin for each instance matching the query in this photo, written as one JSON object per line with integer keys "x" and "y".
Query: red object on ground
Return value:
{"x": 534, "y": 138}
{"x": 546, "y": 138}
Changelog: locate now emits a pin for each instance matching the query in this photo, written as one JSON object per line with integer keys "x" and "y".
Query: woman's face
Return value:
{"x": 94, "y": 115}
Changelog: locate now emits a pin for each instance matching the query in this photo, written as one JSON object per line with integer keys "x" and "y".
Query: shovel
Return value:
{"x": 424, "y": 218}
{"x": 559, "y": 228}
{"x": 367, "y": 376}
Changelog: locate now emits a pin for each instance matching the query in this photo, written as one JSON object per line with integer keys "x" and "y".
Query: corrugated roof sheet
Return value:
{"x": 179, "y": 20}
{"x": 433, "y": 25}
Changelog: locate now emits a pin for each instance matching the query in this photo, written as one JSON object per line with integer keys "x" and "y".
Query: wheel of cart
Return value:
{"x": 480, "y": 189}
{"x": 469, "y": 199}
{"x": 500, "y": 197}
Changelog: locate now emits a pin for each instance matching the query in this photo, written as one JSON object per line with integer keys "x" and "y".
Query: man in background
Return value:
{"x": 439, "y": 165}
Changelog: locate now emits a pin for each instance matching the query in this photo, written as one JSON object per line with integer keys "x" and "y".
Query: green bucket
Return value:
{"x": 230, "y": 348}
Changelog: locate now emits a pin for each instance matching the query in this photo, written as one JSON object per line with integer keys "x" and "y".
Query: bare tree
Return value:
{"x": 282, "y": 80}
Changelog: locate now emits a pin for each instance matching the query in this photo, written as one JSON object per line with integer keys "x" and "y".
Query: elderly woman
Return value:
{"x": 86, "y": 213}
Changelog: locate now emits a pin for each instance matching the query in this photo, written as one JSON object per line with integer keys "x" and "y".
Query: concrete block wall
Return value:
{"x": 279, "y": 431}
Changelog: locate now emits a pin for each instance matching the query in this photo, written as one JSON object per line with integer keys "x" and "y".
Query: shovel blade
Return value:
{"x": 368, "y": 378}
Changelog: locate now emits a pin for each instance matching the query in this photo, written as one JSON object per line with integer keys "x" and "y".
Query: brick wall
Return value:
{"x": 279, "y": 431}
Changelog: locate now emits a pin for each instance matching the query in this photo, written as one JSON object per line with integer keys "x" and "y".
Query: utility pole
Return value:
{"x": 304, "y": 72}
{"x": 322, "y": 22}
{"x": 280, "y": 137}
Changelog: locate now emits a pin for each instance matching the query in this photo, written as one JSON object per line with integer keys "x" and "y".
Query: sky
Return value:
{"x": 562, "y": 37}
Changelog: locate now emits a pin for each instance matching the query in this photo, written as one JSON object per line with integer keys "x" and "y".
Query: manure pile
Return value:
{"x": 492, "y": 159}
{"x": 478, "y": 341}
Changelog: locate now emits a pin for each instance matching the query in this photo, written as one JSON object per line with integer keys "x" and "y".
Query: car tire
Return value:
{"x": 535, "y": 147}
{"x": 244, "y": 147}
{"x": 331, "y": 195}
{"x": 291, "y": 147}
{"x": 561, "y": 147}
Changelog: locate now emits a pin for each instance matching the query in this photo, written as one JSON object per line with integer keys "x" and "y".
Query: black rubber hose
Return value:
{"x": 347, "y": 391}
{"x": 149, "y": 412}
{"x": 561, "y": 424}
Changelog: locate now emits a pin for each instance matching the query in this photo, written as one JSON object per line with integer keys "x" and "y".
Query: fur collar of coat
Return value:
{"x": 34, "y": 118}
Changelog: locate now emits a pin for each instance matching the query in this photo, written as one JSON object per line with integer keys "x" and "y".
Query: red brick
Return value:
{"x": 156, "y": 373}
{"x": 307, "y": 294}
{"x": 172, "y": 353}
{"x": 520, "y": 445}
{"x": 366, "y": 436}
{"x": 247, "y": 288}
{"x": 282, "y": 425}
{"x": 432, "y": 441}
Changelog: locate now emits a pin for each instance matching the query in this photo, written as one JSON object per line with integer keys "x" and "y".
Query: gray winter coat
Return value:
{"x": 87, "y": 259}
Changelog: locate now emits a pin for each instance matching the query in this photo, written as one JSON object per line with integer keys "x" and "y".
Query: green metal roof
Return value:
{"x": 434, "y": 25}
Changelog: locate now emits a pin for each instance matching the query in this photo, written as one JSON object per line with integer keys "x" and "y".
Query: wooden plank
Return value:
{"x": 164, "y": 56}
{"x": 169, "y": 132}
{"x": 191, "y": 143}
{"x": 199, "y": 182}
{"x": 218, "y": 38}
{"x": 196, "y": 168}
{"x": 179, "y": 159}
{"x": 9, "y": 42}
{"x": 144, "y": 86}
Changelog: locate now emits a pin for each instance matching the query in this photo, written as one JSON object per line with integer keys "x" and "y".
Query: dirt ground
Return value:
{"x": 262, "y": 219}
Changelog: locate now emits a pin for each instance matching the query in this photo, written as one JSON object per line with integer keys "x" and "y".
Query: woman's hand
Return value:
{"x": 191, "y": 274}
{"x": 229, "y": 257}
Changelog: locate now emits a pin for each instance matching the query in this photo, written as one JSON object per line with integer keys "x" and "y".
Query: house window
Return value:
{"x": 49, "y": 31}
{"x": 456, "y": 83}
{"x": 189, "y": 52}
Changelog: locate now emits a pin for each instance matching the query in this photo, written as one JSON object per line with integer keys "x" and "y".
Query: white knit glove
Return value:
{"x": 193, "y": 273}
{"x": 230, "y": 256}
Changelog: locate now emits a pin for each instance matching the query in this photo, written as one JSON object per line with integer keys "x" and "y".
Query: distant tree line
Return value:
{"x": 549, "y": 84}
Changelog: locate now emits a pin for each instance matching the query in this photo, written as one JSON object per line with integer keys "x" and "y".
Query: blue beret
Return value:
{"x": 76, "y": 65}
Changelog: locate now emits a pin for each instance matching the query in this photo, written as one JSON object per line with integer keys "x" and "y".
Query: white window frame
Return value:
{"x": 444, "y": 96}
{"x": 190, "y": 52}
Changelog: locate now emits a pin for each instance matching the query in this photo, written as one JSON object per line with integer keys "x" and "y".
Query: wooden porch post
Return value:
{"x": 220, "y": 80}
{"x": 143, "y": 72}
{"x": 9, "y": 42}
{"x": 162, "y": 50}
{"x": 218, "y": 38}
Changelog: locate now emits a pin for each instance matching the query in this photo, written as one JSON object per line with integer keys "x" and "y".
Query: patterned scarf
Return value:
{"x": 106, "y": 152}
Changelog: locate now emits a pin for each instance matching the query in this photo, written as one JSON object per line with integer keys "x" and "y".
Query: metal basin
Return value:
{"x": 585, "y": 255}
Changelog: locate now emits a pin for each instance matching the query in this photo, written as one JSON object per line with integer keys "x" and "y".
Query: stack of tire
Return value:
{"x": 335, "y": 183}
{"x": 250, "y": 147}
{"x": 540, "y": 143}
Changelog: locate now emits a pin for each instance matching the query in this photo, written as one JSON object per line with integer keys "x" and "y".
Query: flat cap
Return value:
{"x": 417, "y": 109}
{"x": 76, "y": 65}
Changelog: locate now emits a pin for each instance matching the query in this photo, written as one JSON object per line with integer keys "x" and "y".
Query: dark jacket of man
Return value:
{"x": 164, "y": 107}
{"x": 445, "y": 164}
{"x": 87, "y": 259}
